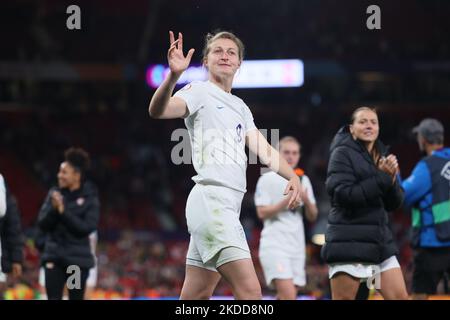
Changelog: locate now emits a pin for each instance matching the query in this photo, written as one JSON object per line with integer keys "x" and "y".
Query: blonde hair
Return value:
{"x": 288, "y": 139}
{"x": 211, "y": 37}
{"x": 353, "y": 118}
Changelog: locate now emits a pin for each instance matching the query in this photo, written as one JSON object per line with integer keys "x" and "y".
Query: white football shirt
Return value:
{"x": 285, "y": 231}
{"x": 217, "y": 124}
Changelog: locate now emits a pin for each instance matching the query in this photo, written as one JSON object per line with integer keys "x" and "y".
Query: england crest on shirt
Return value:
{"x": 239, "y": 133}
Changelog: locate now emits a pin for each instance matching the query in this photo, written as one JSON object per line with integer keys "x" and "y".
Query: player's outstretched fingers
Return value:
{"x": 171, "y": 37}
{"x": 180, "y": 44}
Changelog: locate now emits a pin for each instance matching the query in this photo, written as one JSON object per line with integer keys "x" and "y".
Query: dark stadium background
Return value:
{"x": 61, "y": 88}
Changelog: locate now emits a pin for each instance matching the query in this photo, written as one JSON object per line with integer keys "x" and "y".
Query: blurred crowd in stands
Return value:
{"x": 112, "y": 31}
{"x": 143, "y": 238}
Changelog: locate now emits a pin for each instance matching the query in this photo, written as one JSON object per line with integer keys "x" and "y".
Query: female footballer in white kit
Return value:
{"x": 219, "y": 125}
{"x": 282, "y": 243}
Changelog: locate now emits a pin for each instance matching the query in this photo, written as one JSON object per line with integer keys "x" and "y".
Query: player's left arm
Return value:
{"x": 270, "y": 157}
{"x": 309, "y": 201}
{"x": 311, "y": 210}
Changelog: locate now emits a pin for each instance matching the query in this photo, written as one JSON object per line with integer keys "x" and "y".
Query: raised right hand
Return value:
{"x": 177, "y": 61}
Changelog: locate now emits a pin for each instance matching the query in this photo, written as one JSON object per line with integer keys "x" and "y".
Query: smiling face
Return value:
{"x": 223, "y": 58}
{"x": 68, "y": 176}
{"x": 365, "y": 126}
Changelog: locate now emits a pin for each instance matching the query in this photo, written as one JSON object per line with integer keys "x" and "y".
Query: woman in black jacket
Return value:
{"x": 11, "y": 241}
{"x": 362, "y": 184}
{"x": 69, "y": 214}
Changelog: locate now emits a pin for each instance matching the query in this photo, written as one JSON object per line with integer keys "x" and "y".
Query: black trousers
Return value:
{"x": 363, "y": 292}
{"x": 56, "y": 279}
{"x": 430, "y": 267}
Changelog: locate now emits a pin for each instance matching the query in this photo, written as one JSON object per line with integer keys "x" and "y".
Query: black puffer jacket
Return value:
{"x": 361, "y": 195}
{"x": 67, "y": 234}
{"x": 12, "y": 239}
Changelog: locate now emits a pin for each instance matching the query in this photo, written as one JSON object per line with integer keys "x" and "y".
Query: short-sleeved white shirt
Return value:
{"x": 217, "y": 124}
{"x": 283, "y": 233}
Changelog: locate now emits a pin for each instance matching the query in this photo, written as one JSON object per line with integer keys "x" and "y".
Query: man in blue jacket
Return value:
{"x": 427, "y": 191}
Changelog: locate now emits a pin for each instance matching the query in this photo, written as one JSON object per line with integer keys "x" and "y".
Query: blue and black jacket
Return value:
{"x": 427, "y": 191}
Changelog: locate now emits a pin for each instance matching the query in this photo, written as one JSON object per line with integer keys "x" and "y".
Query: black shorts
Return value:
{"x": 430, "y": 264}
